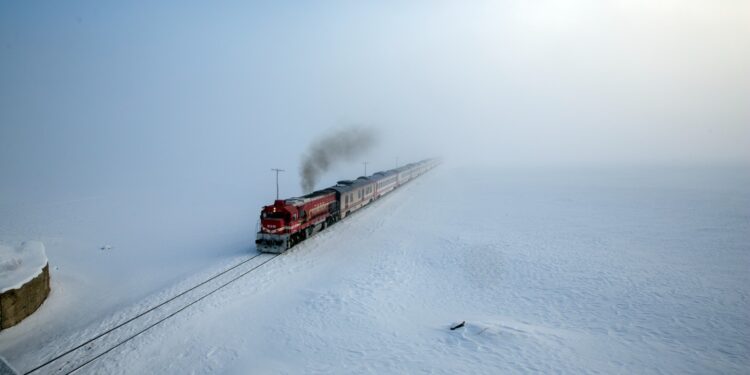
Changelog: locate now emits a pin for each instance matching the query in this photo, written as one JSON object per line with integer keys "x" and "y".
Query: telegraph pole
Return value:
{"x": 365, "y": 164}
{"x": 277, "y": 180}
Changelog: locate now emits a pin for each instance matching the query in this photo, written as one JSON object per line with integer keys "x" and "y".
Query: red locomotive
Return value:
{"x": 288, "y": 222}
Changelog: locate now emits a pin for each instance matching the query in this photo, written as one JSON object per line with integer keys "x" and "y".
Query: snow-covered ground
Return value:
{"x": 574, "y": 271}
{"x": 20, "y": 264}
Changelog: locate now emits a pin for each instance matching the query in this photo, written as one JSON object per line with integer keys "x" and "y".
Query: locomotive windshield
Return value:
{"x": 274, "y": 215}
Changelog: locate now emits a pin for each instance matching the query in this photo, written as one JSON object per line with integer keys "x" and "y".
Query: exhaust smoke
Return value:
{"x": 342, "y": 145}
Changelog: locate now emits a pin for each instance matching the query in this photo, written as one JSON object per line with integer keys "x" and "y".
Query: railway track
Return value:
{"x": 94, "y": 348}
{"x": 78, "y": 357}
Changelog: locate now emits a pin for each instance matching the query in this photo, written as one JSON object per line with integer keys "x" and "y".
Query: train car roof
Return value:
{"x": 345, "y": 186}
{"x": 382, "y": 175}
{"x": 308, "y": 197}
{"x": 387, "y": 173}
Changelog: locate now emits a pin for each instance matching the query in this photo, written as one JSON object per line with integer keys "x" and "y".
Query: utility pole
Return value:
{"x": 365, "y": 164}
{"x": 277, "y": 180}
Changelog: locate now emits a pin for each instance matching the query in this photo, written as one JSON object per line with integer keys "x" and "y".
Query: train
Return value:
{"x": 287, "y": 222}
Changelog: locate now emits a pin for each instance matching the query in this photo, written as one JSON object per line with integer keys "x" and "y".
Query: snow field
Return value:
{"x": 553, "y": 273}
{"x": 163, "y": 239}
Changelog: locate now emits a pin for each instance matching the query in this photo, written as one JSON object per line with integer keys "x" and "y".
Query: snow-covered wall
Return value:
{"x": 24, "y": 281}
{"x": 20, "y": 264}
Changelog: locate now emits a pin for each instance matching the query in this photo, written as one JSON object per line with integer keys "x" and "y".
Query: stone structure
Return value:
{"x": 17, "y": 304}
{"x": 24, "y": 281}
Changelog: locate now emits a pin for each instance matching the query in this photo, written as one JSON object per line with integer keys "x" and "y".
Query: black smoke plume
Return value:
{"x": 342, "y": 145}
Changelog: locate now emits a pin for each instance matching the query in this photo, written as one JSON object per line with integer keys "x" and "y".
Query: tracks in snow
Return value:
{"x": 110, "y": 339}
{"x": 92, "y": 349}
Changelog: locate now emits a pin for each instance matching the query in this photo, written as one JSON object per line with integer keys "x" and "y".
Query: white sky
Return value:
{"x": 115, "y": 92}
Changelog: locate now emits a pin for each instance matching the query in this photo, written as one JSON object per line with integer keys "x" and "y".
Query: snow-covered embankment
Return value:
{"x": 24, "y": 281}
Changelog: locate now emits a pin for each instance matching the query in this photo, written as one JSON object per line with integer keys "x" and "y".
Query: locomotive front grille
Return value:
{"x": 271, "y": 243}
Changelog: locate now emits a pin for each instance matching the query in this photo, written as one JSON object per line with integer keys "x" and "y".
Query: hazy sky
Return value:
{"x": 109, "y": 93}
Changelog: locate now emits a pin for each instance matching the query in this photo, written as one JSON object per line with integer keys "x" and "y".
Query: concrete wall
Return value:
{"x": 17, "y": 304}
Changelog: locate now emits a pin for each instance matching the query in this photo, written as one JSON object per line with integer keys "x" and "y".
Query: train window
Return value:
{"x": 275, "y": 215}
